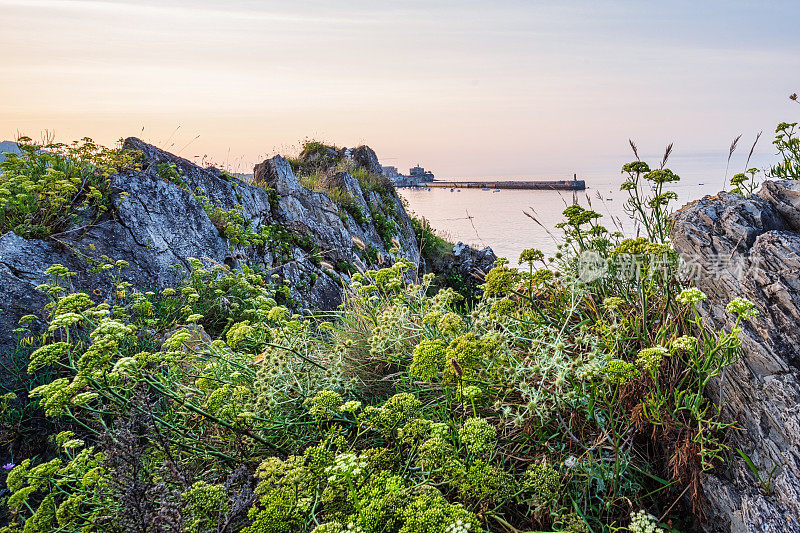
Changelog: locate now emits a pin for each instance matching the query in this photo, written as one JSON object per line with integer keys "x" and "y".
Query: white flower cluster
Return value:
{"x": 345, "y": 465}
{"x": 459, "y": 526}
{"x": 643, "y": 522}
{"x": 690, "y": 296}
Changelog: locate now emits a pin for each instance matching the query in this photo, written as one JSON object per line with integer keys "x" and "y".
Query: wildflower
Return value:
{"x": 742, "y": 307}
{"x": 690, "y": 296}
{"x": 193, "y": 318}
{"x": 8, "y": 466}
{"x": 278, "y": 314}
{"x": 650, "y": 359}
{"x": 325, "y": 404}
{"x": 501, "y": 280}
{"x": 27, "y": 319}
{"x": 450, "y": 324}
{"x": 478, "y": 436}
{"x": 685, "y": 343}
{"x": 345, "y": 466}
{"x": 431, "y": 319}
{"x": 350, "y": 406}
{"x": 643, "y": 522}
{"x": 502, "y": 308}
{"x": 47, "y": 355}
{"x": 72, "y": 444}
{"x": 472, "y": 392}
{"x": 177, "y": 340}
{"x": 530, "y": 255}
{"x": 428, "y": 359}
{"x": 64, "y": 321}
{"x": 543, "y": 481}
{"x": 613, "y": 303}
{"x": 619, "y": 371}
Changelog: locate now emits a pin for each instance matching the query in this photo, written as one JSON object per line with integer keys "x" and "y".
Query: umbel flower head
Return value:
{"x": 742, "y": 307}
{"x": 501, "y": 280}
{"x": 650, "y": 359}
{"x": 478, "y": 435}
{"x": 620, "y": 371}
{"x": 685, "y": 343}
{"x": 530, "y": 255}
{"x": 643, "y": 522}
{"x": 690, "y": 296}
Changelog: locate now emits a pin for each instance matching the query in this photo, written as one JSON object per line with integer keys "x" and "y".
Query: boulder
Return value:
{"x": 750, "y": 247}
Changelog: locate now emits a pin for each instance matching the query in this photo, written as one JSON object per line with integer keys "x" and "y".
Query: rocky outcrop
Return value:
{"x": 160, "y": 218}
{"x": 463, "y": 267}
{"x": 750, "y": 248}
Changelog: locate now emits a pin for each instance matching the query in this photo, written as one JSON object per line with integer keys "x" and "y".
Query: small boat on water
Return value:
{"x": 485, "y": 189}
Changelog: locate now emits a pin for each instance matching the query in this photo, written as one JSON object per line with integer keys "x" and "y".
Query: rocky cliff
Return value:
{"x": 171, "y": 210}
{"x": 750, "y": 248}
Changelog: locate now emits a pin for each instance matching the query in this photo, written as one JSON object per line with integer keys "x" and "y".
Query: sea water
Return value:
{"x": 512, "y": 220}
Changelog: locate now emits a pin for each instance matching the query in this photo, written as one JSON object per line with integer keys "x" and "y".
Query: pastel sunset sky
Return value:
{"x": 466, "y": 88}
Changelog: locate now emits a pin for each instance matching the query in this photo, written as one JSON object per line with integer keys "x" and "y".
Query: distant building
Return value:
{"x": 416, "y": 176}
{"x": 418, "y": 173}
{"x": 391, "y": 172}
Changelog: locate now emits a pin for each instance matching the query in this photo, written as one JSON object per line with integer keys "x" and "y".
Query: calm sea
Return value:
{"x": 498, "y": 219}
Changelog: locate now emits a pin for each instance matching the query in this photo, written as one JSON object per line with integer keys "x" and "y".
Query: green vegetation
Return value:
{"x": 788, "y": 144}
{"x": 48, "y": 189}
{"x": 569, "y": 397}
{"x": 317, "y": 165}
{"x": 431, "y": 245}
{"x": 554, "y": 402}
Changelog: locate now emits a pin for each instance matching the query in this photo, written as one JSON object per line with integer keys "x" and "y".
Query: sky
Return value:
{"x": 465, "y": 88}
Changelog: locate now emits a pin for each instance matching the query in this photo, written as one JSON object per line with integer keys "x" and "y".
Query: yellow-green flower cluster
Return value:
{"x": 205, "y": 504}
{"x": 484, "y": 481}
{"x": 501, "y": 280}
{"x": 649, "y": 359}
{"x": 613, "y": 303}
{"x": 619, "y": 371}
{"x": 544, "y": 482}
{"x": 530, "y": 255}
{"x": 742, "y": 307}
{"x": 450, "y": 324}
{"x": 478, "y": 436}
{"x": 429, "y": 359}
{"x": 685, "y": 343}
{"x": 690, "y": 296}
{"x": 325, "y": 405}
{"x": 643, "y": 522}
{"x": 501, "y": 308}
{"x": 418, "y": 430}
{"x": 432, "y": 513}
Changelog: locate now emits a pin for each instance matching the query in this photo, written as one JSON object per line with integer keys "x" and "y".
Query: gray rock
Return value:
{"x": 365, "y": 156}
{"x": 8, "y": 147}
{"x": 750, "y": 248}
{"x": 159, "y": 221}
{"x": 463, "y": 267}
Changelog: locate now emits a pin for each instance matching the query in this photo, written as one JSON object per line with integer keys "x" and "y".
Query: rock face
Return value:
{"x": 464, "y": 267}
{"x": 160, "y": 219}
{"x": 750, "y": 248}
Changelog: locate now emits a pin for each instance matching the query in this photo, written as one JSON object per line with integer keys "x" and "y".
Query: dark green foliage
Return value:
{"x": 48, "y": 189}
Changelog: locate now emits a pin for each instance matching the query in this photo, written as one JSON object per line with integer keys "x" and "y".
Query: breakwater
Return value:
{"x": 562, "y": 185}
